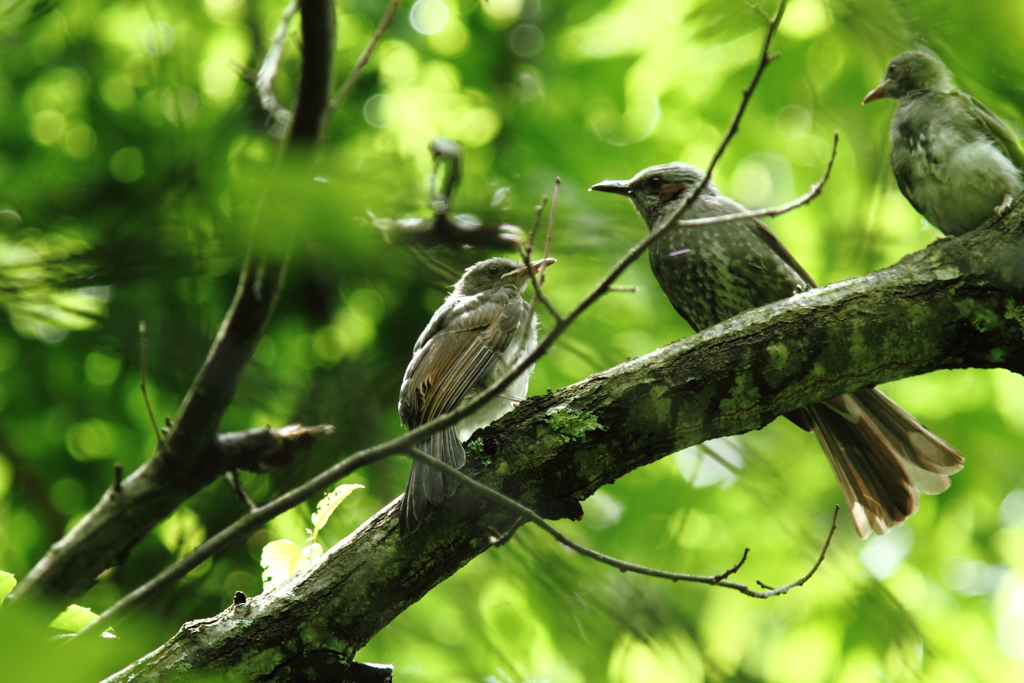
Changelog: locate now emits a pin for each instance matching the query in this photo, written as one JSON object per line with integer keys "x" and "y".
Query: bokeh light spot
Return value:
{"x": 428, "y": 16}
{"x": 526, "y": 40}
{"x": 127, "y": 165}
{"x": 157, "y": 38}
{"x": 379, "y": 111}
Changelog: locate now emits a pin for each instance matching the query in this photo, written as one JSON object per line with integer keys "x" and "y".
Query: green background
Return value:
{"x": 134, "y": 158}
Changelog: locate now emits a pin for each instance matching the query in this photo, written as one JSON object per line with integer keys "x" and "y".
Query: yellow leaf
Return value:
{"x": 329, "y": 503}
{"x": 280, "y": 560}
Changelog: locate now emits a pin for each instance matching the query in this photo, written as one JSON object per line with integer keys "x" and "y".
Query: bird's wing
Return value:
{"x": 769, "y": 238}
{"x": 994, "y": 128}
{"x": 907, "y": 189}
{"x": 463, "y": 348}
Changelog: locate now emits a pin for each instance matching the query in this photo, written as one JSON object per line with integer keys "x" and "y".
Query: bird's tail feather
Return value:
{"x": 426, "y": 485}
{"x": 881, "y": 455}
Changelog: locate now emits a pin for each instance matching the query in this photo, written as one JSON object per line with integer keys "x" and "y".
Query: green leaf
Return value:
{"x": 329, "y": 503}
{"x": 73, "y": 619}
{"x": 280, "y": 560}
{"x": 7, "y": 584}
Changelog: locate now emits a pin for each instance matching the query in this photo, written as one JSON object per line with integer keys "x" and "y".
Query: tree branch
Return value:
{"x": 264, "y": 79}
{"x": 318, "y": 40}
{"x": 958, "y": 303}
{"x": 189, "y": 458}
{"x": 622, "y": 565}
{"x": 734, "y": 127}
{"x": 346, "y": 87}
{"x": 267, "y": 511}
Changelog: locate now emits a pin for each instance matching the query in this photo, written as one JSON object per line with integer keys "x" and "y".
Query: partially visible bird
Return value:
{"x": 480, "y": 332}
{"x": 954, "y": 160}
{"x": 876, "y": 449}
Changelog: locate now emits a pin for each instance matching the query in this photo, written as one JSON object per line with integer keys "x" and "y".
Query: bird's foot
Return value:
{"x": 514, "y": 401}
{"x": 1005, "y": 205}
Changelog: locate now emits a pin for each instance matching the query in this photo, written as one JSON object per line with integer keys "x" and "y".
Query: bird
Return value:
{"x": 954, "y": 160}
{"x": 877, "y": 450}
{"x": 483, "y": 329}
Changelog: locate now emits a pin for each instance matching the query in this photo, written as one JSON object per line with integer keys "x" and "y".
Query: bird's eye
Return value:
{"x": 493, "y": 271}
{"x": 656, "y": 181}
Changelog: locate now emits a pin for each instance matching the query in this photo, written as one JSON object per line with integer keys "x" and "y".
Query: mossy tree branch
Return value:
{"x": 957, "y": 304}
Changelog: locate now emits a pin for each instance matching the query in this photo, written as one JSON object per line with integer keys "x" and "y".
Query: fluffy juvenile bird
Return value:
{"x": 954, "y": 160}
{"x": 876, "y": 449}
{"x": 480, "y": 332}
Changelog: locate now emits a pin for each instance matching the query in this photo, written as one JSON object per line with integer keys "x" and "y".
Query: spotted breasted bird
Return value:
{"x": 876, "y": 449}
{"x": 954, "y": 160}
{"x": 483, "y": 329}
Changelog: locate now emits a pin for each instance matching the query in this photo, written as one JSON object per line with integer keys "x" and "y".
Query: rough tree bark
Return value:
{"x": 959, "y": 303}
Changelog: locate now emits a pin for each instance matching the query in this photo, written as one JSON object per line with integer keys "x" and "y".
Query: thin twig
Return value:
{"x": 343, "y": 91}
{"x": 251, "y": 521}
{"x": 805, "y": 198}
{"x": 536, "y": 225}
{"x": 734, "y": 127}
{"x": 632, "y": 289}
{"x": 543, "y": 297}
{"x": 235, "y": 481}
{"x": 143, "y": 363}
{"x": 539, "y": 294}
{"x": 538, "y": 279}
{"x": 402, "y": 444}
{"x": 264, "y": 81}
{"x": 116, "y": 524}
{"x": 551, "y": 225}
{"x": 622, "y": 565}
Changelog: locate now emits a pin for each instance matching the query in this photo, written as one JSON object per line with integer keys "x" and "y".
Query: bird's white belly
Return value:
{"x": 499, "y": 405}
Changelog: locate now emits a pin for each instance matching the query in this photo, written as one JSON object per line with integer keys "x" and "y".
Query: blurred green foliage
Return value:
{"x": 133, "y": 160}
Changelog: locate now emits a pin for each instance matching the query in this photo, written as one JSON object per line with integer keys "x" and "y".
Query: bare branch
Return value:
{"x": 190, "y": 457}
{"x": 537, "y": 279}
{"x": 250, "y": 522}
{"x": 770, "y": 592}
{"x": 318, "y": 42}
{"x": 266, "y": 448}
{"x": 235, "y": 482}
{"x": 143, "y": 363}
{"x": 264, "y": 80}
{"x": 402, "y": 444}
{"x": 551, "y": 225}
{"x": 765, "y": 60}
{"x": 346, "y": 87}
{"x": 805, "y": 198}
{"x": 443, "y": 228}
{"x": 643, "y": 410}
{"x": 621, "y": 565}
{"x": 536, "y": 225}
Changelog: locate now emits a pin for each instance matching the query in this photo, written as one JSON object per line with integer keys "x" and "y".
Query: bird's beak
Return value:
{"x": 876, "y": 94}
{"x": 614, "y": 186}
{"x": 536, "y": 266}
